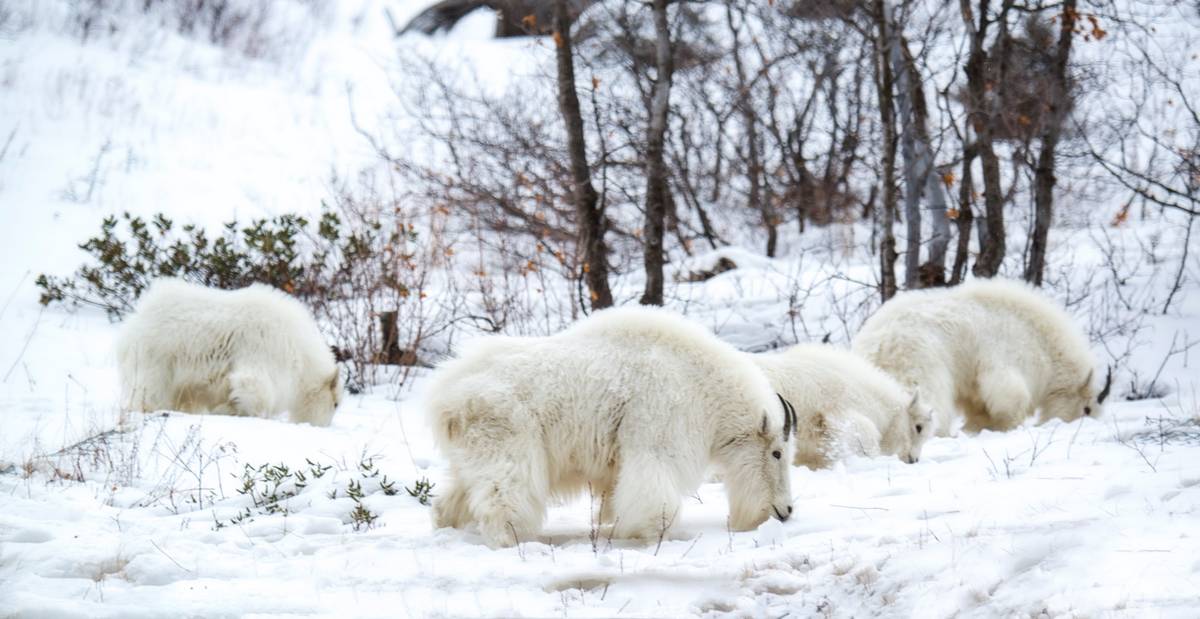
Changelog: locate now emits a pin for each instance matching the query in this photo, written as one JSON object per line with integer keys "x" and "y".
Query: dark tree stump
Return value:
{"x": 390, "y": 352}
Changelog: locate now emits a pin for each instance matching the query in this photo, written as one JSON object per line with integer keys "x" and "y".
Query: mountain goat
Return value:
{"x": 251, "y": 352}
{"x": 844, "y": 405}
{"x": 995, "y": 350}
{"x": 631, "y": 403}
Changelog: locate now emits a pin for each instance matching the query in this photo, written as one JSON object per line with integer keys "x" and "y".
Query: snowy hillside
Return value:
{"x": 104, "y": 514}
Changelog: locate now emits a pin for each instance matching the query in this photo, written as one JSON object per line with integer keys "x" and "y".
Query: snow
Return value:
{"x": 104, "y": 514}
{"x": 1061, "y": 518}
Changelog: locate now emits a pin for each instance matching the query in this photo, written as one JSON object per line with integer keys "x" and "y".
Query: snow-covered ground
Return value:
{"x": 1087, "y": 519}
{"x": 142, "y": 516}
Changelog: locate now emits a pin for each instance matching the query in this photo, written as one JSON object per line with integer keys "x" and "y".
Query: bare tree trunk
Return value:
{"x": 1044, "y": 179}
{"x": 921, "y": 177}
{"x": 804, "y": 179}
{"x": 656, "y": 172}
{"x": 917, "y": 159}
{"x": 390, "y": 352}
{"x": 754, "y": 170}
{"x": 887, "y": 116}
{"x": 805, "y": 196}
{"x": 590, "y": 220}
{"x": 966, "y": 189}
{"x": 933, "y": 272}
{"x": 980, "y": 111}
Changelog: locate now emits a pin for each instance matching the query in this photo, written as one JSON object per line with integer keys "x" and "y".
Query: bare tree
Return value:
{"x": 589, "y": 218}
{"x": 819, "y": 144}
{"x": 916, "y": 160}
{"x": 753, "y": 156}
{"x": 920, "y": 178}
{"x": 984, "y": 69}
{"x": 1057, "y": 103}
{"x": 656, "y": 170}
{"x": 965, "y": 216}
{"x": 1156, "y": 155}
{"x": 712, "y": 123}
{"x": 885, "y": 86}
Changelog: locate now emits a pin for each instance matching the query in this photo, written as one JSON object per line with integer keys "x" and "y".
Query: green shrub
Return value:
{"x": 422, "y": 491}
{"x": 272, "y": 489}
{"x": 348, "y": 269}
{"x": 268, "y": 251}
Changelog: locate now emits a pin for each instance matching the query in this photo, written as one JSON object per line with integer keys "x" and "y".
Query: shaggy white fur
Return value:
{"x": 845, "y": 406}
{"x": 995, "y": 350}
{"x": 631, "y": 403}
{"x": 253, "y": 352}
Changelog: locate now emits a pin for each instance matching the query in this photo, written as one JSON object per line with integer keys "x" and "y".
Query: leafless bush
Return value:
{"x": 495, "y": 166}
{"x": 497, "y": 157}
{"x": 777, "y": 115}
{"x": 1144, "y": 385}
{"x": 387, "y": 266}
{"x": 255, "y": 28}
{"x": 1021, "y": 111}
{"x": 742, "y": 147}
{"x": 519, "y": 286}
{"x": 180, "y": 473}
{"x": 184, "y": 470}
{"x": 1178, "y": 423}
{"x": 440, "y": 276}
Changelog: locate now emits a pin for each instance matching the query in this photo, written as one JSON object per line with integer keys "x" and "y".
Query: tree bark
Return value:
{"x": 966, "y": 189}
{"x": 921, "y": 177}
{"x": 980, "y": 111}
{"x": 590, "y": 220}
{"x": 390, "y": 352}
{"x": 917, "y": 160}
{"x": 933, "y": 272}
{"x": 656, "y": 172}
{"x": 887, "y": 116}
{"x": 1044, "y": 179}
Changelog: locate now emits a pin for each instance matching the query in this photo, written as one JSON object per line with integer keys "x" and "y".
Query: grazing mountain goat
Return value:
{"x": 632, "y": 404}
{"x": 845, "y": 406}
{"x": 252, "y": 352}
{"x": 996, "y": 350}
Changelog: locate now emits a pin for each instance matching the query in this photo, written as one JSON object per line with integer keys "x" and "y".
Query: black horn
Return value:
{"x": 1107, "y": 386}
{"x": 789, "y": 416}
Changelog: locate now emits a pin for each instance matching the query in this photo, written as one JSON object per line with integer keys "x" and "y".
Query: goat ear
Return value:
{"x": 764, "y": 426}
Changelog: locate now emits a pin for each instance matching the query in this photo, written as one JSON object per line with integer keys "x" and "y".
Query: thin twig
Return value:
{"x": 8, "y": 142}
{"x": 882, "y": 509}
{"x": 13, "y": 294}
{"x": 689, "y": 548}
{"x": 164, "y": 553}
{"x": 25, "y": 346}
{"x": 1187, "y": 242}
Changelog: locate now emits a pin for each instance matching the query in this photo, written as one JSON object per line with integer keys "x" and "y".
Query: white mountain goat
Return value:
{"x": 632, "y": 404}
{"x": 995, "y": 350}
{"x": 251, "y": 352}
{"x": 845, "y": 406}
